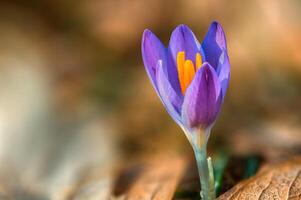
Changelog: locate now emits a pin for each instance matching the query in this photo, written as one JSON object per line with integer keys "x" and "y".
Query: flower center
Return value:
{"x": 186, "y": 69}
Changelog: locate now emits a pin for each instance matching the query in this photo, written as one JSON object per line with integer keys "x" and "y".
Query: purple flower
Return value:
{"x": 190, "y": 78}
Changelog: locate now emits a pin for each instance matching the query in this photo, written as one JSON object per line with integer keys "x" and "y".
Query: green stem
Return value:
{"x": 199, "y": 144}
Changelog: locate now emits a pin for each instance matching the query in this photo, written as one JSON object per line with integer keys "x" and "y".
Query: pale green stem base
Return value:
{"x": 199, "y": 144}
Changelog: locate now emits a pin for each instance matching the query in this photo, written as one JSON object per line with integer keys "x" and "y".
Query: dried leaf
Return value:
{"x": 157, "y": 179}
{"x": 281, "y": 182}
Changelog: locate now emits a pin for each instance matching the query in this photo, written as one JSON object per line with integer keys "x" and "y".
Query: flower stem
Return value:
{"x": 204, "y": 167}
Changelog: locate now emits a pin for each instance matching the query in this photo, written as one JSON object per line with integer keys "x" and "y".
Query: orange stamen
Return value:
{"x": 187, "y": 70}
{"x": 188, "y": 74}
{"x": 181, "y": 69}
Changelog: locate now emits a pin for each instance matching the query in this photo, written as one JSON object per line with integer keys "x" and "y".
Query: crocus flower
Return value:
{"x": 191, "y": 80}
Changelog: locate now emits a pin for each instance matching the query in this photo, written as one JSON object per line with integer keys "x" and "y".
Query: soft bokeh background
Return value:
{"x": 74, "y": 94}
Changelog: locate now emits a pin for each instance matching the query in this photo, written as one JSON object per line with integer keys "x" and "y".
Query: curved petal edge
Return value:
{"x": 203, "y": 99}
{"x": 152, "y": 51}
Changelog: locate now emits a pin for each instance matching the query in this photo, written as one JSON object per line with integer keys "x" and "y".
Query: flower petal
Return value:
{"x": 214, "y": 44}
{"x": 223, "y": 71}
{"x": 183, "y": 39}
{"x": 172, "y": 73}
{"x": 152, "y": 51}
{"x": 203, "y": 98}
{"x": 169, "y": 97}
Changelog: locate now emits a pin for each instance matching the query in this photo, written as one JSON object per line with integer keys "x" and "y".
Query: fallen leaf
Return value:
{"x": 156, "y": 179}
{"x": 276, "y": 182}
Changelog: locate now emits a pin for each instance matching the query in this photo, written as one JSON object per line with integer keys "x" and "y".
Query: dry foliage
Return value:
{"x": 281, "y": 182}
{"x": 156, "y": 179}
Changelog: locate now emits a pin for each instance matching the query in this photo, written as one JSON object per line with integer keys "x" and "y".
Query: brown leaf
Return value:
{"x": 156, "y": 179}
{"x": 281, "y": 181}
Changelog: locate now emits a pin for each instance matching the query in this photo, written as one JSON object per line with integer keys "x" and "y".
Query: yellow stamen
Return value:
{"x": 198, "y": 61}
{"x": 189, "y": 72}
{"x": 181, "y": 69}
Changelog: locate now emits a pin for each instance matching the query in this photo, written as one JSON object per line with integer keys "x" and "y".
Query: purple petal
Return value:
{"x": 223, "y": 71}
{"x": 214, "y": 44}
{"x": 203, "y": 98}
{"x": 169, "y": 97}
{"x": 152, "y": 51}
{"x": 183, "y": 39}
{"x": 172, "y": 73}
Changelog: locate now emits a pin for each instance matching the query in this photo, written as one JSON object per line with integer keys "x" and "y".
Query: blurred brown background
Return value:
{"x": 75, "y": 95}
